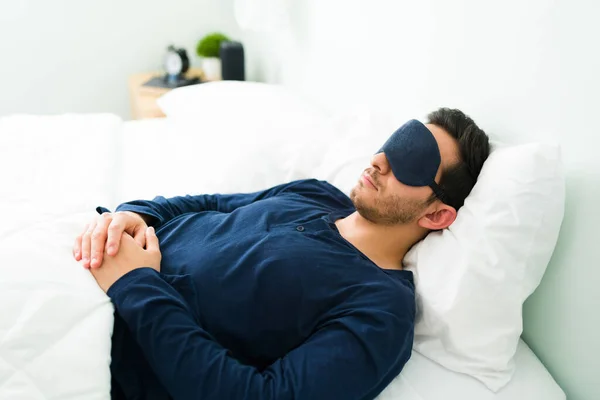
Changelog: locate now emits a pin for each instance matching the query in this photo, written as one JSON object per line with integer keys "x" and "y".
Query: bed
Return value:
{"x": 56, "y": 323}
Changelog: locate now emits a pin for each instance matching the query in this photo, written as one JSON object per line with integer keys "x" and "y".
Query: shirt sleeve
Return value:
{"x": 352, "y": 357}
{"x": 162, "y": 210}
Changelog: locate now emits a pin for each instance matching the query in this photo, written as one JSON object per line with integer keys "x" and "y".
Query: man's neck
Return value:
{"x": 386, "y": 246}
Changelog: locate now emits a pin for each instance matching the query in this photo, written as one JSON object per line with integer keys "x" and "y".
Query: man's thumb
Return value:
{"x": 151, "y": 240}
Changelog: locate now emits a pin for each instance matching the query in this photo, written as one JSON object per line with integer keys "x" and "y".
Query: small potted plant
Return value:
{"x": 208, "y": 49}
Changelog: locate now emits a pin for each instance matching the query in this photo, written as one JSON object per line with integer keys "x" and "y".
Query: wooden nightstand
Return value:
{"x": 143, "y": 98}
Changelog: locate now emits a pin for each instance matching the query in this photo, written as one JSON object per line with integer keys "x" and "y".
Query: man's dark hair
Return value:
{"x": 474, "y": 147}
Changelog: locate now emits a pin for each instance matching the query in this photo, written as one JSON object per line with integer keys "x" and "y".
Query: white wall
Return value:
{"x": 75, "y": 55}
{"x": 524, "y": 70}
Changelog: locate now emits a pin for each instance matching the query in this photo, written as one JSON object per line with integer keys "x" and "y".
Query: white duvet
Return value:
{"x": 55, "y": 323}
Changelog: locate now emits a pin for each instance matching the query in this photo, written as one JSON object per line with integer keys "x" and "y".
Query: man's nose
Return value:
{"x": 380, "y": 162}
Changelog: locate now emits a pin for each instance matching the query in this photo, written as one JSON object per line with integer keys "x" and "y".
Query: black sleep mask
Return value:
{"x": 414, "y": 156}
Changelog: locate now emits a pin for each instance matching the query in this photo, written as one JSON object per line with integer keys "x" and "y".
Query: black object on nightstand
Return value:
{"x": 165, "y": 82}
{"x": 232, "y": 61}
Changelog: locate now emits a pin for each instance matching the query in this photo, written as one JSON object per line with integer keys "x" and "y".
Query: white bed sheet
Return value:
{"x": 421, "y": 379}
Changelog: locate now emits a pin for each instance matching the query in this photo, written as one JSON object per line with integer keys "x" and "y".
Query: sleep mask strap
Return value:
{"x": 439, "y": 193}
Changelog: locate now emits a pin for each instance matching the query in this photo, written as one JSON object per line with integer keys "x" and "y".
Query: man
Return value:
{"x": 294, "y": 292}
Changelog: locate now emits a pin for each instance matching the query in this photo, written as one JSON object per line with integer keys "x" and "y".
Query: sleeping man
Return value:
{"x": 293, "y": 292}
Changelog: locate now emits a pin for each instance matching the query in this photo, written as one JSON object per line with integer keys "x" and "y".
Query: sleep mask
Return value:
{"x": 414, "y": 156}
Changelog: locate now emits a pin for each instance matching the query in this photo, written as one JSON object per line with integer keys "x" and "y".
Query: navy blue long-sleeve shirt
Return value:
{"x": 259, "y": 297}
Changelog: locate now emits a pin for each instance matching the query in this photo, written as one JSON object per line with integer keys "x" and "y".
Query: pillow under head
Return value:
{"x": 473, "y": 278}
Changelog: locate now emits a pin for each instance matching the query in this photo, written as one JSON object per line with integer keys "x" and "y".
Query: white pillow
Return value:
{"x": 235, "y": 100}
{"x": 472, "y": 279}
{"x": 222, "y": 137}
{"x": 174, "y": 158}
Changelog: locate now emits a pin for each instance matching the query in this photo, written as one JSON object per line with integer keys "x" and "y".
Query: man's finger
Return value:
{"x": 140, "y": 237}
{"x": 115, "y": 230}
{"x": 99, "y": 240}
{"x": 77, "y": 245}
{"x": 151, "y": 240}
{"x": 86, "y": 244}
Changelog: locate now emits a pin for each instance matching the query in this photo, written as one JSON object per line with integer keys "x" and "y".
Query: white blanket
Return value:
{"x": 55, "y": 323}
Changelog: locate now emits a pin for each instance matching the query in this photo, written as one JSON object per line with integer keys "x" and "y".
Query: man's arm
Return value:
{"x": 160, "y": 210}
{"x": 352, "y": 357}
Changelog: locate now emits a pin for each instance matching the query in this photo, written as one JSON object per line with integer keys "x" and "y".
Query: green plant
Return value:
{"x": 210, "y": 44}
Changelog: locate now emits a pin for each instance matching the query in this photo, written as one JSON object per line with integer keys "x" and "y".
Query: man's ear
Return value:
{"x": 440, "y": 218}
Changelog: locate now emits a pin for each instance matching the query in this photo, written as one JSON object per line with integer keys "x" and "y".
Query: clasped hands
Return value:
{"x": 114, "y": 244}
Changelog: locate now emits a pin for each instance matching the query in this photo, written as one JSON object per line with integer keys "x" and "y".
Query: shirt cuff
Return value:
{"x": 129, "y": 278}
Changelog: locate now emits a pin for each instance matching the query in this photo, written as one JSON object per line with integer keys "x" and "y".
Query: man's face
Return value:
{"x": 381, "y": 198}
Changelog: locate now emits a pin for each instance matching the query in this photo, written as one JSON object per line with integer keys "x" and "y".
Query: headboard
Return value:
{"x": 525, "y": 71}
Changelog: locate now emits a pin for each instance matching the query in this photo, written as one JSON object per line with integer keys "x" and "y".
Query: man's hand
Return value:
{"x": 130, "y": 256}
{"x": 106, "y": 229}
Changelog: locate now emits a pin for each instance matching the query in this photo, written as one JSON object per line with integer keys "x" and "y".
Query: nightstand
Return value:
{"x": 143, "y": 98}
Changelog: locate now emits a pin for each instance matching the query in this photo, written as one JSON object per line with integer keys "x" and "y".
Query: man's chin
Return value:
{"x": 359, "y": 190}
{"x": 354, "y": 193}
{"x": 358, "y": 198}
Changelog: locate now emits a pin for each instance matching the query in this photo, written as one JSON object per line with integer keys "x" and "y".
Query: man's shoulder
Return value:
{"x": 312, "y": 182}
